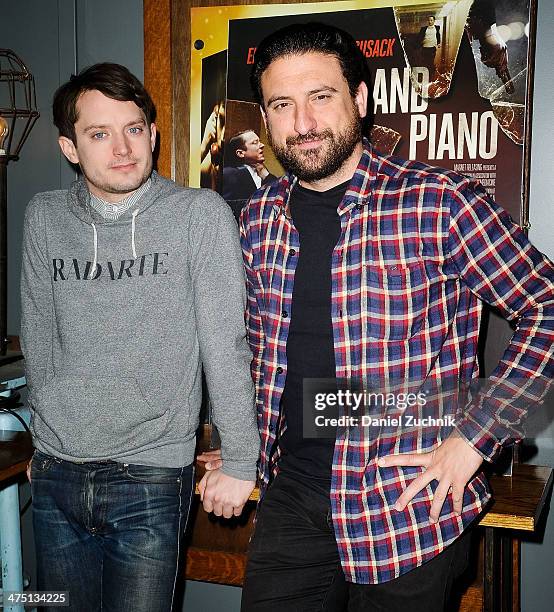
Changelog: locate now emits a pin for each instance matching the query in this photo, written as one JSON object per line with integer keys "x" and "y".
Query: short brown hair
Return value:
{"x": 113, "y": 80}
{"x": 236, "y": 143}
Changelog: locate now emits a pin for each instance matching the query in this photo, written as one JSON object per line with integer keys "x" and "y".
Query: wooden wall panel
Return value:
{"x": 157, "y": 73}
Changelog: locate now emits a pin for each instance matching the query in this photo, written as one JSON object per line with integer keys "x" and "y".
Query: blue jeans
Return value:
{"x": 109, "y": 533}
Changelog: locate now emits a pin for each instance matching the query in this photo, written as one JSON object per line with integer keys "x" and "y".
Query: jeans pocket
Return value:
{"x": 41, "y": 463}
{"x": 148, "y": 474}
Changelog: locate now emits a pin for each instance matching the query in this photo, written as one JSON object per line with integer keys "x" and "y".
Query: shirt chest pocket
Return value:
{"x": 394, "y": 300}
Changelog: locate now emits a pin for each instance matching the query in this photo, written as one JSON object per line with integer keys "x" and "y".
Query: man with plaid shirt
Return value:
{"x": 365, "y": 267}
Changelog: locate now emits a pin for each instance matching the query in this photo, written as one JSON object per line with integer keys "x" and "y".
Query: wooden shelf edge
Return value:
{"x": 14, "y": 470}
{"x": 471, "y": 600}
{"x": 218, "y": 567}
{"x": 492, "y": 519}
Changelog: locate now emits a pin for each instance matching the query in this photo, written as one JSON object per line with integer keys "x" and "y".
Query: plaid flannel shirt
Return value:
{"x": 420, "y": 247}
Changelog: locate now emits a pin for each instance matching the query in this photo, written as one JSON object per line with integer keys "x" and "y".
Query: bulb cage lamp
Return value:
{"x": 18, "y": 115}
{"x": 18, "y": 104}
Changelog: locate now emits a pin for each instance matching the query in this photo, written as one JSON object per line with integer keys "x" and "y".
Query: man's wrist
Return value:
{"x": 485, "y": 445}
{"x": 247, "y": 473}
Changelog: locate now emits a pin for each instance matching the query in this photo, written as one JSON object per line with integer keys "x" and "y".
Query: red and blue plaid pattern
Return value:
{"x": 419, "y": 248}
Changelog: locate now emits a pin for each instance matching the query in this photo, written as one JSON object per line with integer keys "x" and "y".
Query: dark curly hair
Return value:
{"x": 312, "y": 37}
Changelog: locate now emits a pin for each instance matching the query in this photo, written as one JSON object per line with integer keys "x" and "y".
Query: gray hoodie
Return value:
{"x": 118, "y": 318}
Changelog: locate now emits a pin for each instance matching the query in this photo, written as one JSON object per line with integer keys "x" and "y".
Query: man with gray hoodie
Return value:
{"x": 130, "y": 285}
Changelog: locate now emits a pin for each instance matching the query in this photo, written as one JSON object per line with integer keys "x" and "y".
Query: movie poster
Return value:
{"x": 449, "y": 87}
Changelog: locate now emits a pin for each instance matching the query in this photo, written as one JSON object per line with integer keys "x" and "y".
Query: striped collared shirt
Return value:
{"x": 112, "y": 212}
{"x": 420, "y": 248}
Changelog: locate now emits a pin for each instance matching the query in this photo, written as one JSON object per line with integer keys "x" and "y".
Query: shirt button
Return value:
{"x": 292, "y": 252}
{"x": 279, "y": 370}
{"x": 285, "y": 314}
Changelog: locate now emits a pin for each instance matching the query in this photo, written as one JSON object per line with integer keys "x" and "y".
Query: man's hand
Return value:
{"x": 210, "y": 134}
{"x": 261, "y": 171}
{"x": 452, "y": 464}
{"x": 28, "y": 470}
{"x": 494, "y": 53}
{"x": 211, "y": 459}
{"x": 224, "y": 495}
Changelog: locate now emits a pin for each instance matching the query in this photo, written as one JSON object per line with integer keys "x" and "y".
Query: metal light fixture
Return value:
{"x": 18, "y": 114}
{"x": 4, "y": 130}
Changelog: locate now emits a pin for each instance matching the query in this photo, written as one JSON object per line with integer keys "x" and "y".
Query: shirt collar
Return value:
{"x": 112, "y": 211}
{"x": 255, "y": 176}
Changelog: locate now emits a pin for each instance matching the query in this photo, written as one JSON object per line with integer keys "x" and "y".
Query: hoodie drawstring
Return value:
{"x": 133, "y": 244}
{"x": 135, "y": 213}
{"x": 95, "y": 260}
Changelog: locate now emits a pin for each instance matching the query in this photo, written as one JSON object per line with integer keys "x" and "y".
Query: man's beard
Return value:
{"x": 321, "y": 162}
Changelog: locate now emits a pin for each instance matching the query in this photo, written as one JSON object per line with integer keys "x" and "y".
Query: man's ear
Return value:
{"x": 153, "y": 132}
{"x": 240, "y": 152}
{"x": 360, "y": 99}
{"x": 264, "y": 116}
{"x": 68, "y": 149}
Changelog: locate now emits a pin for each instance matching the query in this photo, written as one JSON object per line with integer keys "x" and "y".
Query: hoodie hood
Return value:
{"x": 78, "y": 199}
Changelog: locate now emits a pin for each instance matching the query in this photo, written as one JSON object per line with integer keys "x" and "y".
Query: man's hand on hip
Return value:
{"x": 452, "y": 464}
{"x": 224, "y": 495}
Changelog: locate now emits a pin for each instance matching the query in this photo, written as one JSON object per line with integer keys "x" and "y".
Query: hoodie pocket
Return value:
{"x": 96, "y": 417}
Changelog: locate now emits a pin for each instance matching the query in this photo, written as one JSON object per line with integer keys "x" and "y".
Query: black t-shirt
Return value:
{"x": 310, "y": 346}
